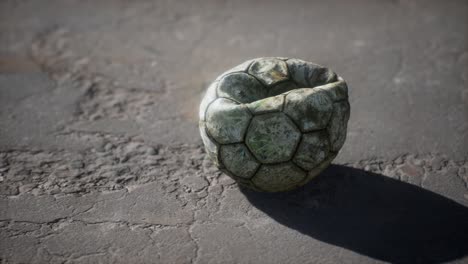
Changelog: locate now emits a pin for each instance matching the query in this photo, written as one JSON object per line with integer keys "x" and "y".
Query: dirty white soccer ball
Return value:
{"x": 273, "y": 124}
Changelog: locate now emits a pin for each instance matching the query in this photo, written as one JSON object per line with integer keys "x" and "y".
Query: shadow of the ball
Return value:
{"x": 373, "y": 215}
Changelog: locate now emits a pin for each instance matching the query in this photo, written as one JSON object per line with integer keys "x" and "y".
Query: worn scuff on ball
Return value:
{"x": 273, "y": 124}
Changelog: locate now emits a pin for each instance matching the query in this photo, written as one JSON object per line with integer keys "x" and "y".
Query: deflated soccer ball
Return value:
{"x": 273, "y": 124}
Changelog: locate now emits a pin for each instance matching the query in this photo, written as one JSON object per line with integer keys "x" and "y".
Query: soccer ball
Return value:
{"x": 273, "y": 124}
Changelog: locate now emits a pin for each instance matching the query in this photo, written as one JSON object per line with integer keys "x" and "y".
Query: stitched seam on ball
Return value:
{"x": 300, "y": 167}
{"x": 258, "y": 80}
{"x": 253, "y": 183}
{"x": 296, "y": 147}
{"x": 292, "y": 120}
{"x": 256, "y": 169}
{"x": 218, "y": 146}
{"x": 245, "y": 137}
{"x": 255, "y": 173}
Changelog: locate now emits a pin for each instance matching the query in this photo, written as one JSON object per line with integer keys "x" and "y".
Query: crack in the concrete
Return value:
{"x": 72, "y": 258}
{"x": 71, "y": 219}
{"x": 195, "y": 259}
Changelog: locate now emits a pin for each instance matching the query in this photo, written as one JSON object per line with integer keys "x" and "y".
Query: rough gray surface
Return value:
{"x": 98, "y": 112}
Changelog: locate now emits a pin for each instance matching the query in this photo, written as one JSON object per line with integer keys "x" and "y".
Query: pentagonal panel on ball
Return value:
{"x": 278, "y": 177}
{"x": 310, "y": 109}
{"x": 272, "y": 137}
{"x": 312, "y": 150}
{"x": 227, "y": 121}
{"x": 241, "y": 87}
{"x": 269, "y": 70}
{"x": 238, "y": 160}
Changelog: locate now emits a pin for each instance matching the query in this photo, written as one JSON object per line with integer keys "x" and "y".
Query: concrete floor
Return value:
{"x": 101, "y": 160}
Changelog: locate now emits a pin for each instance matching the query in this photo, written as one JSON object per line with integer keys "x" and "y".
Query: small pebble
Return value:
{"x": 54, "y": 191}
{"x": 8, "y": 190}
{"x": 100, "y": 147}
{"x": 95, "y": 117}
{"x": 437, "y": 162}
{"x": 412, "y": 170}
{"x": 3, "y": 163}
{"x": 152, "y": 151}
{"x": 108, "y": 147}
{"x": 461, "y": 172}
{"x": 27, "y": 187}
{"x": 419, "y": 162}
{"x": 77, "y": 164}
{"x": 124, "y": 159}
{"x": 398, "y": 160}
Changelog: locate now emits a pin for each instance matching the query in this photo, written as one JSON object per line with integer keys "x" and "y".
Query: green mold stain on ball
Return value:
{"x": 273, "y": 124}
